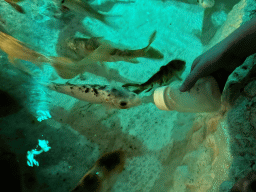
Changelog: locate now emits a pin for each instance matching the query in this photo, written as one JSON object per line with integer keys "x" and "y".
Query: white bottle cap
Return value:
{"x": 159, "y": 98}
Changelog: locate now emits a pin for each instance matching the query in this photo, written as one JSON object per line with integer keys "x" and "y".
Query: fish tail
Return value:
{"x": 153, "y": 54}
{"x": 23, "y": 68}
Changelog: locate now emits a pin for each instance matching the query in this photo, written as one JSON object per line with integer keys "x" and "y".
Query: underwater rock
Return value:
{"x": 226, "y": 186}
{"x": 218, "y": 18}
{"x": 250, "y": 90}
{"x": 233, "y": 21}
{"x": 238, "y": 80}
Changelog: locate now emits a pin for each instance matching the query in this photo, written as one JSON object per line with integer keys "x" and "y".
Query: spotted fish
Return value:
{"x": 112, "y": 96}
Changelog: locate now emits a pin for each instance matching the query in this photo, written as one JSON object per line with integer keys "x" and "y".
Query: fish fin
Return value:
{"x": 102, "y": 53}
{"x": 151, "y": 40}
{"x": 133, "y": 60}
{"x": 138, "y": 91}
{"x": 106, "y": 70}
{"x": 149, "y": 89}
{"x": 131, "y": 85}
{"x": 21, "y": 67}
{"x": 65, "y": 67}
{"x": 17, "y": 7}
{"x": 153, "y": 54}
{"x": 136, "y": 88}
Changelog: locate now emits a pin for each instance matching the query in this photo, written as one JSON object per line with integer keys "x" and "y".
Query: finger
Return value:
{"x": 189, "y": 81}
{"x": 194, "y": 64}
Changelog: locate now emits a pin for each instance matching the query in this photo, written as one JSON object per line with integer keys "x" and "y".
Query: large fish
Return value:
{"x": 105, "y": 52}
{"x": 108, "y": 95}
{"x": 163, "y": 77}
{"x": 102, "y": 176}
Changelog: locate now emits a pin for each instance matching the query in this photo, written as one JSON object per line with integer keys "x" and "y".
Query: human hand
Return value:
{"x": 219, "y": 57}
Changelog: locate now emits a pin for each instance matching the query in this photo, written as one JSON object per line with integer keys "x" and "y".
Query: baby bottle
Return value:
{"x": 205, "y": 96}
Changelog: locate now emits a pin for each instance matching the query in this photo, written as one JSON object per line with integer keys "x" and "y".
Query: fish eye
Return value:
{"x": 123, "y": 103}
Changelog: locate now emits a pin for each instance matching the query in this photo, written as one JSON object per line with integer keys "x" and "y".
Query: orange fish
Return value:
{"x": 102, "y": 176}
{"x": 14, "y": 4}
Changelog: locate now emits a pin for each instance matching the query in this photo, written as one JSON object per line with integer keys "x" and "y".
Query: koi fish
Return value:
{"x": 163, "y": 77}
{"x": 102, "y": 176}
{"x": 14, "y": 4}
{"x": 114, "y": 97}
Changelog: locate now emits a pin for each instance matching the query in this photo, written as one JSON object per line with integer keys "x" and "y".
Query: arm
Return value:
{"x": 242, "y": 42}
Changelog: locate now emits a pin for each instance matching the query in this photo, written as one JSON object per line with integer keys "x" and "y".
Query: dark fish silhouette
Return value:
{"x": 163, "y": 77}
{"x": 16, "y": 6}
{"x": 102, "y": 176}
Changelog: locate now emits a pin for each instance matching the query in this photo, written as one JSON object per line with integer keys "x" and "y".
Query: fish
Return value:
{"x": 109, "y": 95}
{"x": 83, "y": 8}
{"x": 130, "y": 55}
{"x": 105, "y": 52}
{"x": 102, "y": 176}
{"x": 97, "y": 49}
{"x": 15, "y": 49}
{"x": 14, "y": 4}
{"x": 163, "y": 77}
